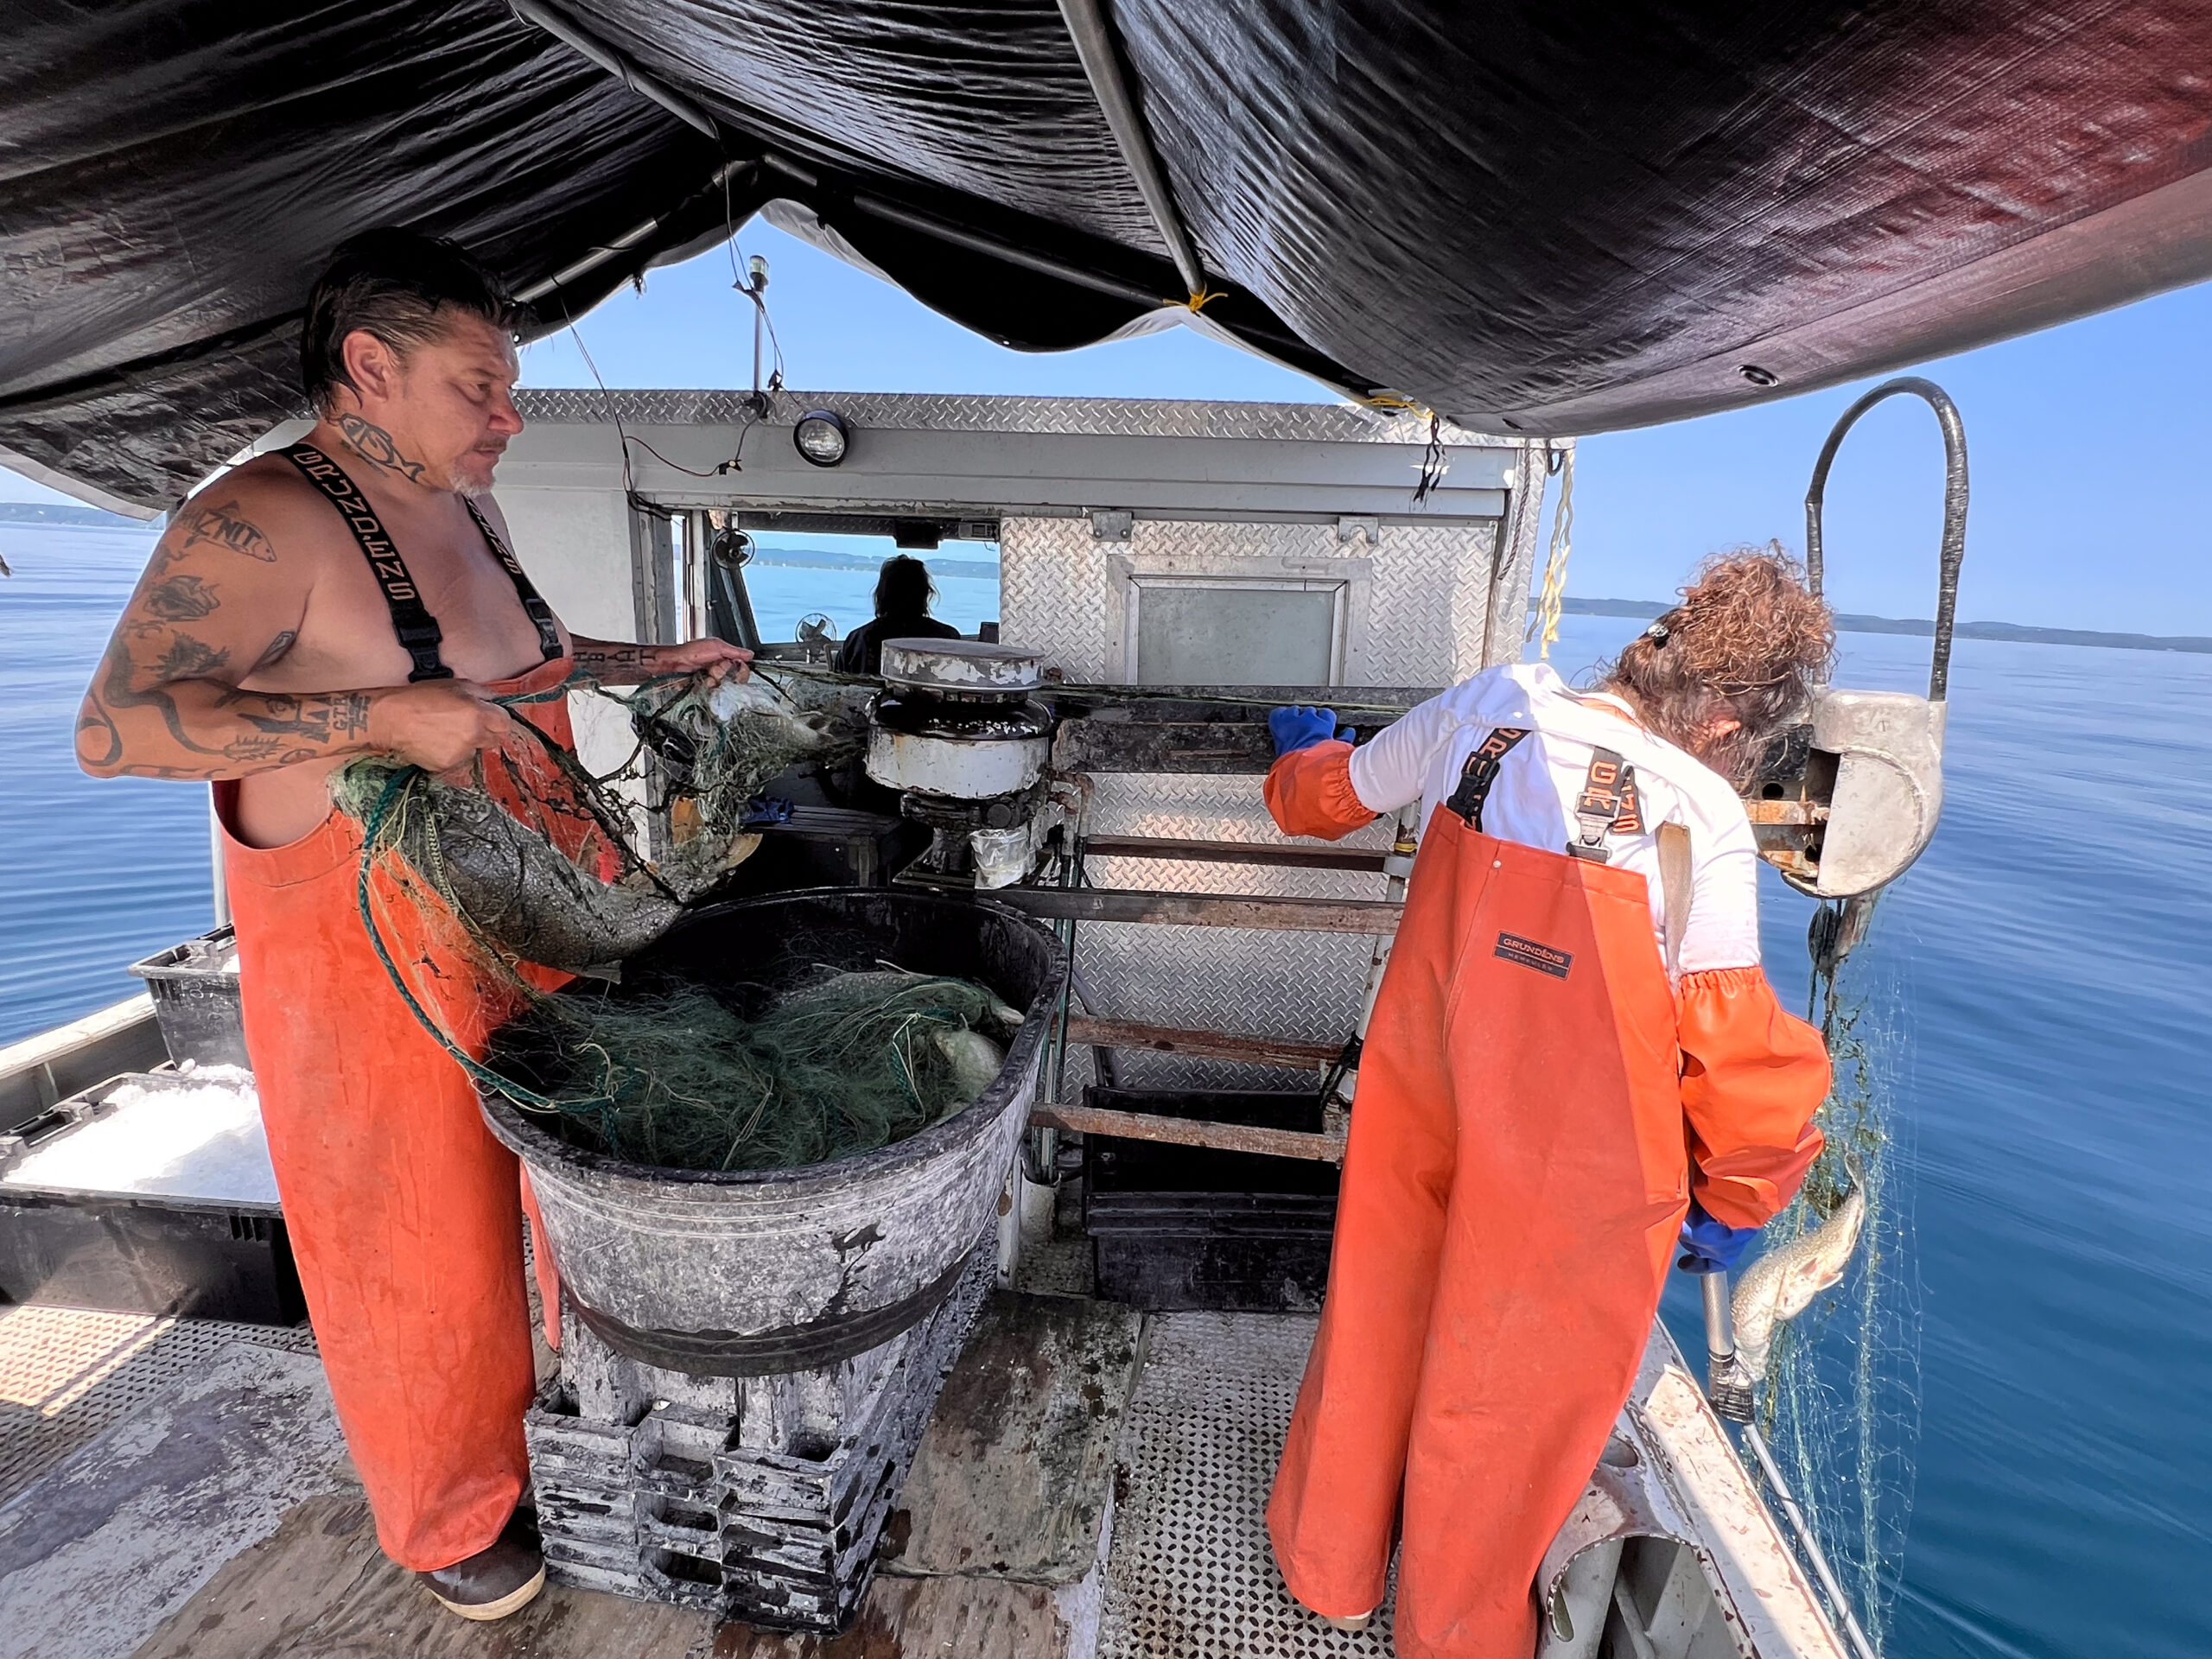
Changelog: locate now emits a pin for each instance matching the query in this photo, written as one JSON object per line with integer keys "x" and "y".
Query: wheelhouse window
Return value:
{"x": 1214, "y": 632}
{"x": 794, "y": 580}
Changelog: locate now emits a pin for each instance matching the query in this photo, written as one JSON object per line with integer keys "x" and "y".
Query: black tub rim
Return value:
{"x": 517, "y": 1130}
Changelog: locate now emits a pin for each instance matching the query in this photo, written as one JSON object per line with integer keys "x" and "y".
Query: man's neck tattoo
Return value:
{"x": 375, "y": 445}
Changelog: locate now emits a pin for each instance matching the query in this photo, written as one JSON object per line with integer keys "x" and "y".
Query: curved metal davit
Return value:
{"x": 754, "y": 1272}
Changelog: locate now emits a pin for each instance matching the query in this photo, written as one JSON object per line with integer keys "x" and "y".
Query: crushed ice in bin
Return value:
{"x": 194, "y": 1134}
{"x": 216, "y": 955}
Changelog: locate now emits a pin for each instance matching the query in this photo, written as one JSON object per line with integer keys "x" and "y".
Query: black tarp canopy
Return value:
{"x": 1531, "y": 218}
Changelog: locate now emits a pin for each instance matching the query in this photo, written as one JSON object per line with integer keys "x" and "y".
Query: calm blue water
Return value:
{"x": 781, "y": 593}
{"x": 92, "y": 875}
{"x": 2047, "y": 964}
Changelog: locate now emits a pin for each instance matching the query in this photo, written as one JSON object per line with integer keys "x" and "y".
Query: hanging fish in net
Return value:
{"x": 1828, "y": 1315}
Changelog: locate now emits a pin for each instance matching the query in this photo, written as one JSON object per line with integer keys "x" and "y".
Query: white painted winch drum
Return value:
{"x": 956, "y": 768}
{"x": 957, "y": 723}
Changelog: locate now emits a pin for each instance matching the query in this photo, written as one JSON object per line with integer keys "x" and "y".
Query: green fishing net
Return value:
{"x": 532, "y": 855}
{"x": 1840, "y": 1400}
{"x": 714, "y": 746}
{"x": 517, "y": 895}
{"x": 672, "y": 1077}
{"x": 491, "y": 845}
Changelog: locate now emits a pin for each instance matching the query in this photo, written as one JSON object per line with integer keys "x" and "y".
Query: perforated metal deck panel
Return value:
{"x": 67, "y": 1374}
{"x": 1191, "y": 1575}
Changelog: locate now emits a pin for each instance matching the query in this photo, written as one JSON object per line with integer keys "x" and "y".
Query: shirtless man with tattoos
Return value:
{"x": 356, "y": 592}
{"x": 258, "y": 645}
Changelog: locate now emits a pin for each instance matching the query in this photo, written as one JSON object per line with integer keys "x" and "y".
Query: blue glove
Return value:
{"x": 1710, "y": 1246}
{"x": 1298, "y": 728}
{"x": 763, "y": 810}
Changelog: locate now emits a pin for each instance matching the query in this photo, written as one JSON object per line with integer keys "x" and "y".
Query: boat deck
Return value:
{"x": 176, "y": 1487}
{"x": 1092, "y": 1486}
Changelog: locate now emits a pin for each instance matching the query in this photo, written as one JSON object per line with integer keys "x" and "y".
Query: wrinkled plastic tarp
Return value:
{"x": 1533, "y": 218}
{"x": 171, "y": 175}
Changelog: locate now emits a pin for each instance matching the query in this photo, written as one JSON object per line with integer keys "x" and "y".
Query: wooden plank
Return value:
{"x": 319, "y": 1586}
{"x": 98, "y": 1550}
{"x": 1204, "y": 1044}
{"x": 1016, "y": 1474}
{"x": 1276, "y": 854}
{"x": 917, "y": 1618}
{"x": 1188, "y": 1132}
{"x": 1239, "y": 702}
{"x": 1368, "y": 916}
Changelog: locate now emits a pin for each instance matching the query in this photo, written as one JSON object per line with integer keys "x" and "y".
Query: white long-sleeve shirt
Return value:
{"x": 1532, "y": 798}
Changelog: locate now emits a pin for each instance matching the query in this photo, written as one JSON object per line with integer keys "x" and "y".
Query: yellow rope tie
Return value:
{"x": 1204, "y": 297}
{"x": 1398, "y": 405}
{"x": 1548, "y": 604}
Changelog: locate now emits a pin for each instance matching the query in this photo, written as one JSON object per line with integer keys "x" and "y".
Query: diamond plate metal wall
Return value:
{"x": 1516, "y": 567}
{"x": 1302, "y": 986}
{"x": 1426, "y": 621}
{"x": 1054, "y": 589}
{"x": 1139, "y": 417}
{"x": 1428, "y": 587}
{"x": 1429, "y": 610}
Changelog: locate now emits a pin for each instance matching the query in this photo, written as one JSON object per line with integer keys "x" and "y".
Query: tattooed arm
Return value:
{"x": 217, "y": 604}
{"x": 613, "y": 662}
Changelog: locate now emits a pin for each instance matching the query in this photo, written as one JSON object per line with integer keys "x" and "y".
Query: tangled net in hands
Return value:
{"x": 718, "y": 744}
{"x": 531, "y": 853}
{"x": 519, "y": 896}
{"x": 845, "y": 1064}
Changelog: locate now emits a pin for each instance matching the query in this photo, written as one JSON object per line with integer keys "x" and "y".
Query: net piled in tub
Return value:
{"x": 522, "y": 862}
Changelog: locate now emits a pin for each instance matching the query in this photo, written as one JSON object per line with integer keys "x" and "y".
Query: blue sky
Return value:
{"x": 2091, "y": 444}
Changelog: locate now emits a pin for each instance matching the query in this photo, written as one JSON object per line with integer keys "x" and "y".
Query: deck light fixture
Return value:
{"x": 820, "y": 437}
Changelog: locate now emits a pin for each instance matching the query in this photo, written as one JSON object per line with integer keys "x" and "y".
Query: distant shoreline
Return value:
{"x": 51, "y": 512}
{"x": 34, "y": 513}
{"x": 2011, "y": 633}
{"x": 820, "y": 558}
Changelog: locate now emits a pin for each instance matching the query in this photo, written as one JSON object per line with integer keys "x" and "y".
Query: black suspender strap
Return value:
{"x": 419, "y": 630}
{"x": 540, "y": 613}
{"x": 1608, "y": 805}
{"x": 1481, "y": 771}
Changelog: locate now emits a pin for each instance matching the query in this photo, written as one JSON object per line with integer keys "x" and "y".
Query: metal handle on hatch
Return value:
{"x": 1954, "y": 508}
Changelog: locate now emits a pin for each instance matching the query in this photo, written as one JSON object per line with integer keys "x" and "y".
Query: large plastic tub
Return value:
{"x": 149, "y": 1194}
{"x": 195, "y": 991}
{"x": 752, "y": 1274}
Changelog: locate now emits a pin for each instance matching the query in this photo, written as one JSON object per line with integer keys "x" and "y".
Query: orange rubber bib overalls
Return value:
{"x": 404, "y": 1214}
{"x": 1515, "y": 1181}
